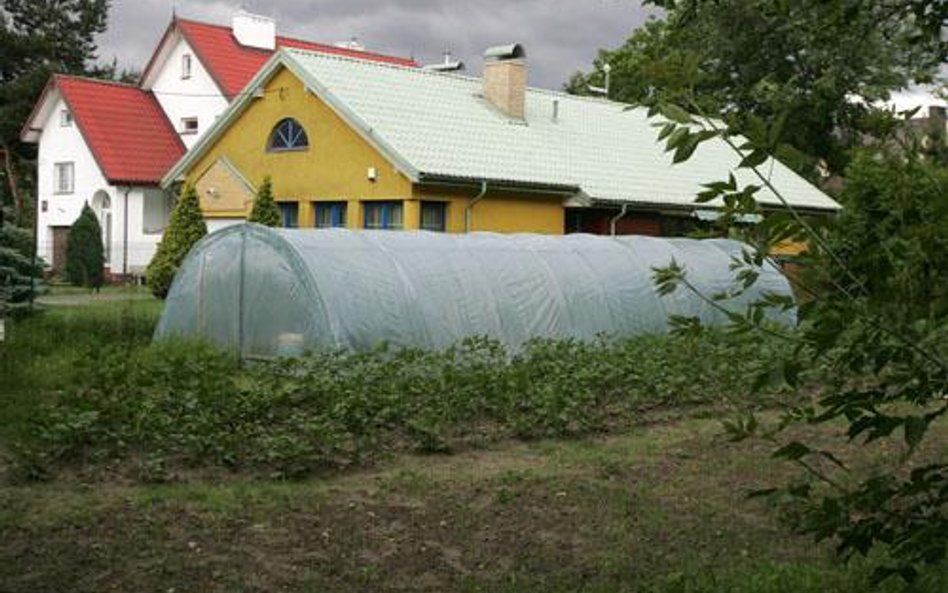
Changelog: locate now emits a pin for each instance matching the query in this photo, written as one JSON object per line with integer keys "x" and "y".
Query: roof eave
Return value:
{"x": 538, "y": 187}
{"x": 30, "y": 132}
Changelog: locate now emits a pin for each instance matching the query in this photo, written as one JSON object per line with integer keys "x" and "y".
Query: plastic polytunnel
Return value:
{"x": 267, "y": 292}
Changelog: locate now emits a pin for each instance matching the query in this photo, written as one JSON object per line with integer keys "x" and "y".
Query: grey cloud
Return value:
{"x": 561, "y": 36}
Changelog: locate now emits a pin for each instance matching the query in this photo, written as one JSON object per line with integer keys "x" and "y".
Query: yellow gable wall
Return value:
{"x": 335, "y": 168}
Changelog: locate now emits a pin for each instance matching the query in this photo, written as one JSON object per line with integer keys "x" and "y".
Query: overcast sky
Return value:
{"x": 560, "y": 36}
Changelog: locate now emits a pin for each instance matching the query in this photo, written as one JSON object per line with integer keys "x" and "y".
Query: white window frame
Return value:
{"x": 65, "y": 118}
{"x": 59, "y": 176}
{"x": 185, "y": 125}
{"x": 186, "y": 63}
{"x": 148, "y": 198}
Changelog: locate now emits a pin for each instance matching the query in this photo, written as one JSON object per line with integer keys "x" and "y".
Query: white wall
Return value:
{"x": 63, "y": 144}
{"x": 196, "y": 96}
{"x": 66, "y": 144}
{"x": 141, "y": 246}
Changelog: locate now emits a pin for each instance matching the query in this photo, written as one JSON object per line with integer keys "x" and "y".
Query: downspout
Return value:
{"x": 128, "y": 190}
{"x": 470, "y": 206}
{"x": 615, "y": 219}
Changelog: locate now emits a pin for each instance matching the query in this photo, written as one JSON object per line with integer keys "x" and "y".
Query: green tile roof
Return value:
{"x": 437, "y": 124}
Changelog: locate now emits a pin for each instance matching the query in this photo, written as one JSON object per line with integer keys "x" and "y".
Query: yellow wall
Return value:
{"x": 335, "y": 167}
{"x": 500, "y": 211}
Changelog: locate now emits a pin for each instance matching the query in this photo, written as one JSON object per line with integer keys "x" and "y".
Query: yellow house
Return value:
{"x": 360, "y": 144}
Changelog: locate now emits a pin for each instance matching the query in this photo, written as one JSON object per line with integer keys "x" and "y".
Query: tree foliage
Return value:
{"x": 17, "y": 271}
{"x": 37, "y": 38}
{"x": 872, "y": 339}
{"x": 85, "y": 255}
{"x": 802, "y": 60}
{"x": 185, "y": 228}
{"x": 265, "y": 210}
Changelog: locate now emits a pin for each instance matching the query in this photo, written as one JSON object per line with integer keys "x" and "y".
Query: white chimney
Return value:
{"x": 254, "y": 30}
{"x": 505, "y": 79}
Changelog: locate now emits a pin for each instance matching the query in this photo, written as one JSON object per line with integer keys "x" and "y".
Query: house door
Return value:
{"x": 60, "y": 236}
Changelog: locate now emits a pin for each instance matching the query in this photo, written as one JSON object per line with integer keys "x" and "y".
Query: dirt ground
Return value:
{"x": 608, "y": 514}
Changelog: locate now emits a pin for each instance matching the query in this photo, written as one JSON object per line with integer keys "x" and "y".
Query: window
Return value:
{"x": 434, "y": 216}
{"x": 156, "y": 212}
{"x": 65, "y": 178}
{"x": 289, "y": 212}
{"x": 330, "y": 215}
{"x": 288, "y": 135}
{"x": 383, "y": 215}
{"x": 186, "y": 66}
{"x": 65, "y": 118}
{"x": 189, "y": 125}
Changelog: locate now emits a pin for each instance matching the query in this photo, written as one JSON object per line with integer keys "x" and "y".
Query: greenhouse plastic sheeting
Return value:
{"x": 267, "y": 292}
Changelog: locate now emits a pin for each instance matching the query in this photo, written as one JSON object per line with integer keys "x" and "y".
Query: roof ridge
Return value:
{"x": 83, "y": 78}
{"x": 297, "y": 40}
{"x": 442, "y": 74}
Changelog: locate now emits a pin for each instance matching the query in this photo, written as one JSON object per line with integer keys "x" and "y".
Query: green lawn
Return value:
{"x": 646, "y": 497}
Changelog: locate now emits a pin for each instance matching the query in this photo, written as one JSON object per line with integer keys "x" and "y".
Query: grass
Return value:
{"x": 573, "y": 467}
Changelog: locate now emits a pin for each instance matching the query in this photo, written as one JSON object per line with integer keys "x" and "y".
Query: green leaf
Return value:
{"x": 675, "y": 113}
{"x": 792, "y": 451}
{"x": 754, "y": 159}
{"x": 914, "y": 428}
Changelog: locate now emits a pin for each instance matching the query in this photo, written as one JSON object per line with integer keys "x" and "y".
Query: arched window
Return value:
{"x": 288, "y": 135}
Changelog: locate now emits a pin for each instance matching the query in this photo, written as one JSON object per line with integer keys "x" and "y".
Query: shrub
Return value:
{"x": 184, "y": 230}
{"x": 85, "y": 257}
{"x": 265, "y": 211}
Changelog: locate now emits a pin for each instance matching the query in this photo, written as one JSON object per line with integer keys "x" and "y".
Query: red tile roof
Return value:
{"x": 232, "y": 65}
{"x": 132, "y": 140}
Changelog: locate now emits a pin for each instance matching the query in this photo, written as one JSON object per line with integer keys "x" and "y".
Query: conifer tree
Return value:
{"x": 17, "y": 271}
{"x": 85, "y": 256}
{"x": 184, "y": 230}
{"x": 265, "y": 211}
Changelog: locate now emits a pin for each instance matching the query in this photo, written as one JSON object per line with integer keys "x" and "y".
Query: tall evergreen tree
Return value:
{"x": 17, "y": 272}
{"x": 265, "y": 211}
{"x": 85, "y": 256}
{"x": 186, "y": 228}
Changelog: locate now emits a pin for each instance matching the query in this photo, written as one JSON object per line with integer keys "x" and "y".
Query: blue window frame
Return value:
{"x": 288, "y": 134}
{"x": 383, "y": 215}
{"x": 290, "y": 212}
{"x": 330, "y": 214}
{"x": 434, "y": 216}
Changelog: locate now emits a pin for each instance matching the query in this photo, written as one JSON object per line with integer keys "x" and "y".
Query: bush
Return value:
{"x": 85, "y": 257}
{"x": 184, "y": 230}
{"x": 265, "y": 211}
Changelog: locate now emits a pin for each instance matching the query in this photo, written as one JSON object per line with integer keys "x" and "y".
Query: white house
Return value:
{"x": 109, "y": 144}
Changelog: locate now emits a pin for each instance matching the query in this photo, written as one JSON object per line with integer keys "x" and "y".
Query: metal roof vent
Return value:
{"x": 511, "y": 51}
{"x": 448, "y": 65}
{"x": 505, "y": 79}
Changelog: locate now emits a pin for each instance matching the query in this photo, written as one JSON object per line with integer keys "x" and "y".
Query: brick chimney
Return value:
{"x": 505, "y": 79}
{"x": 254, "y": 30}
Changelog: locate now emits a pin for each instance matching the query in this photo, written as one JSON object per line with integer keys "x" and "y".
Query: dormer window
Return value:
{"x": 288, "y": 134}
{"x": 65, "y": 118}
{"x": 186, "y": 66}
{"x": 189, "y": 125}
